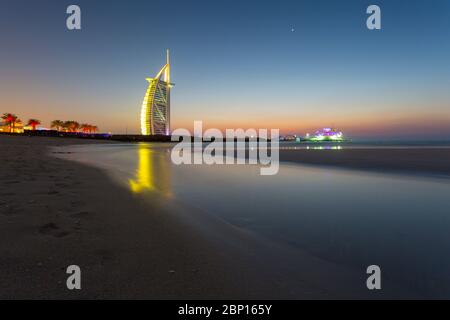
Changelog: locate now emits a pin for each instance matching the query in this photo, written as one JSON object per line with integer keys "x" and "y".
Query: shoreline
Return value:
{"x": 432, "y": 161}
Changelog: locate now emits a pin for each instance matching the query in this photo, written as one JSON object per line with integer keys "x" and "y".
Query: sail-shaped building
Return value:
{"x": 155, "y": 112}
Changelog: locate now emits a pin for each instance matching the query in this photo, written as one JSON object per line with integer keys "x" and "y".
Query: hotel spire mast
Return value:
{"x": 167, "y": 78}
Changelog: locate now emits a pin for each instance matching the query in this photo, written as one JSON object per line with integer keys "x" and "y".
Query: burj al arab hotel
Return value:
{"x": 155, "y": 112}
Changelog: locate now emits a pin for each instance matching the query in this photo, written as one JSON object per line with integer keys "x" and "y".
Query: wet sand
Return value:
{"x": 427, "y": 161}
{"x": 54, "y": 213}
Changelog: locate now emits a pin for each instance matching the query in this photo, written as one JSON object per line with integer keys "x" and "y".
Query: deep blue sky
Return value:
{"x": 235, "y": 63}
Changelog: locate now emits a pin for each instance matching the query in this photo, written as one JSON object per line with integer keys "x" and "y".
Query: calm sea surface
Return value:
{"x": 352, "y": 218}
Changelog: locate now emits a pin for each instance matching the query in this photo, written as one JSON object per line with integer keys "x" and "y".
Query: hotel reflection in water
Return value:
{"x": 153, "y": 172}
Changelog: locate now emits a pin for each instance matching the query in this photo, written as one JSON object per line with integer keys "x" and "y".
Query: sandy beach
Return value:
{"x": 54, "y": 213}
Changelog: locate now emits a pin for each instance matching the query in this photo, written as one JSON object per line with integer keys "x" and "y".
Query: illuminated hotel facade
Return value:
{"x": 155, "y": 112}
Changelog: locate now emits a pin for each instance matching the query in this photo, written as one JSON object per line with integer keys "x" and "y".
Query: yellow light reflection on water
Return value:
{"x": 153, "y": 172}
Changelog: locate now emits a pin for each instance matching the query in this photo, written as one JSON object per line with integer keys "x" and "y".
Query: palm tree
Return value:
{"x": 34, "y": 123}
{"x": 85, "y": 127}
{"x": 88, "y": 128}
{"x": 71, "y": 126}
{"x": 57, "y": 124}
{"x": 11, "y": 119}
{"x": 65, "y": 126}
{"x": 74, "y": 126}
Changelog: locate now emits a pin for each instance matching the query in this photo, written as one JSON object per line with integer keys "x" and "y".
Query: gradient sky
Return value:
{"x": 234, "y": 63}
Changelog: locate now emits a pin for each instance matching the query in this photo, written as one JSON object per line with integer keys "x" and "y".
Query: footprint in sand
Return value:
{"x": 48, "y": 228}
{"x": 61, "y": 185}
{"x": 9, "y": 210}
{"x": 11, "y": 182}
{"x": 52, "y": 229}
{"x": 82, "y": 214}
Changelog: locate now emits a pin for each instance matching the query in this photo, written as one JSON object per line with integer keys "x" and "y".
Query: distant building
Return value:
{"x": 289, "y": 138}
{"x": 326, "y": 134}
{"x": 155, "y": 112}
